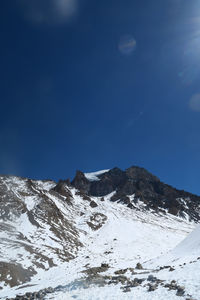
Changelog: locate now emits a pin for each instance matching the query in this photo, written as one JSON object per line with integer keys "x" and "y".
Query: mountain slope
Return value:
{"x": 36, "y": 230}
{"x": 59, "y": 236}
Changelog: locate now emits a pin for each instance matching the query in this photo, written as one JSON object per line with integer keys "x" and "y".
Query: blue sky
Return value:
{"x": 92, "y": 85}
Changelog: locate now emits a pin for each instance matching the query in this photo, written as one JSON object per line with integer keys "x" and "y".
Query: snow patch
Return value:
{"x": 94, "y": 175}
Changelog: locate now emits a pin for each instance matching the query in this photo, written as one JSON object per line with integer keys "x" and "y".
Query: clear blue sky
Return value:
{"x": 91, "y": 85}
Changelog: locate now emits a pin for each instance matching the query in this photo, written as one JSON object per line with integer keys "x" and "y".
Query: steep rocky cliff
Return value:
{"x": 137, "y": 184}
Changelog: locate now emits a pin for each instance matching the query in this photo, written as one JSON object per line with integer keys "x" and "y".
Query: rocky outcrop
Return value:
{"x": 145, "y": 187}
{"x": 108, "y": 182}
{"x": 35, "y": 223}
{"x": 126, "y": 182}
{"x": 81, "y": 182}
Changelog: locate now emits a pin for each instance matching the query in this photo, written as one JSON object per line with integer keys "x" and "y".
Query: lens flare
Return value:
{"x": 127, "y": 44}
{"x": 194, "y": 102}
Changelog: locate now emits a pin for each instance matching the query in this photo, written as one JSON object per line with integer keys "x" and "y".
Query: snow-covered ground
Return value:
{"x": 111, "y": 234}
{"x": 185, "y": 258}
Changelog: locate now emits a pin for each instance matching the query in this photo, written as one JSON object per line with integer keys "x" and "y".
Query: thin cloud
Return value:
{"x": 49, "y": 12}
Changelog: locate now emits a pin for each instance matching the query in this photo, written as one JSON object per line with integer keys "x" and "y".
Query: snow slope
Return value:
{"x": 109, "y": 233}
{"x": 186, "y": 272}
{"x": 139, "y": 237}
{"x": 186, "y": 251}
{"x": 190, "y": 245}
{"x": 185, "y": 260}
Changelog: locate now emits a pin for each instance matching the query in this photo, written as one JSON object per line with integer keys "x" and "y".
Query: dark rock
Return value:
{"x": 107, "y": 252}
{"x": 152, "y": 287}
{"x": 147, "y": 188}
{"x": 40, "y": 295}
{"x": 134, "y": 284}
{"x": 95, "y": 270}
{"x": 130, "y": 205}
{"x": 173, "y": 282}
{"x": 139, "y": 280}
{"x": 81, "y": 182}
{"x": 121, "y": 198}
{"x": 139, "y": 266}
{"x": 152, "y": 278}
{"x": 93, "y": 204}
{"x": 122, "y": 271}
{"x": 119, "y": 279}
{"x": 136, "y": 173}
{"x": 172, "y": 285}
{"x": 165, "y": 267}
{"x": 180, "y": 291}
{"x": 62, "y": 189}
{"x": 96, "y": 221}
{"x": 85, "y": 197}
{"x": 35, "y": 295}
{"x": 28, "y": 294}
{"x": 104, "y": 265}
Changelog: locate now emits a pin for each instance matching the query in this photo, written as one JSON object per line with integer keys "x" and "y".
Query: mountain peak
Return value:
{"x": 137, "y": 183}
{"x": 137, "y": 173}
{"x": 101, "y": 183}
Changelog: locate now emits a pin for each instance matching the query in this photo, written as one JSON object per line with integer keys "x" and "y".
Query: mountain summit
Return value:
{"x": 141, "y": 185}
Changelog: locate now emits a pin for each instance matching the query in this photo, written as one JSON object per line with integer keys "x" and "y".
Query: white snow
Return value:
{"x": 190, "y": 245}
{"x": 93, "y": 176}
{"x": 113, "y": 292}
{"x": 126, "y": 238}
{"x": 186, "y": 251}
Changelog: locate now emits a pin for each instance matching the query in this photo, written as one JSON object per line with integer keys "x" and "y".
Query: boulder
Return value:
{"x": 93, "y": 204}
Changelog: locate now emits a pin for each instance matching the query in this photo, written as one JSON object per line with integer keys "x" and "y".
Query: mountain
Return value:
{"x": 137, "y": 184}
{"x": 101, "y": 236}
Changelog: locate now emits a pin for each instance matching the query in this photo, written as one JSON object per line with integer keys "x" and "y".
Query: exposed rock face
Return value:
{"x": 125, "y": 182}
{"x": 62, "y": 189}
{"x": 81, "y": 182}
{"x": 108, "y": 182}
{"x": 144, "y": 186}
{"x": 34, "y": 225}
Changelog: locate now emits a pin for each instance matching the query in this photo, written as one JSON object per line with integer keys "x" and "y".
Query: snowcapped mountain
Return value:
{"x": 110, "y": 234}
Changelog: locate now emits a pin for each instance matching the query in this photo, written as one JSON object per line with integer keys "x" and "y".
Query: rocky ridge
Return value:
{"x": 137, "y": 184}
